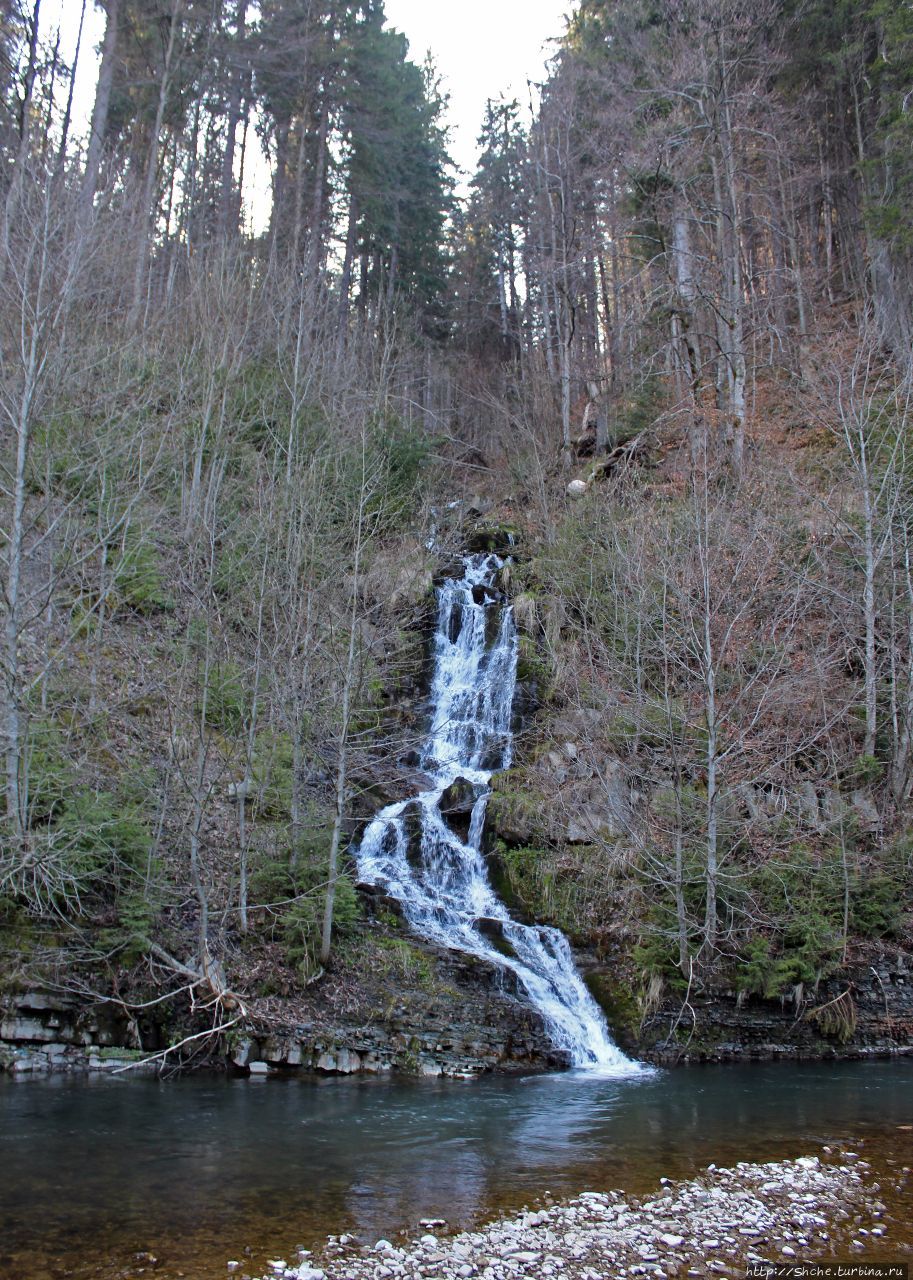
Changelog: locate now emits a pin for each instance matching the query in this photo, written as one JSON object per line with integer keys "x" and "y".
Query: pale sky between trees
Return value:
{"x": 482, "y": 48}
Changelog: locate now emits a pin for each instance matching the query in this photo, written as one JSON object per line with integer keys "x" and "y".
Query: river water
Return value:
{"x": 93, "y": 1173}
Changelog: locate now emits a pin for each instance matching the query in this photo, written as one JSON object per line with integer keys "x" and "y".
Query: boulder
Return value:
{"x": 459, "y": 798}
{"x": 493, "y": 929}
{"x": 488, "y": 536}
{"x": 583, "y": 828}
{"x": 807, "y": 805}
{"x": 577, "y": 489}
{"x": 600, "y": 809}
{"x": 866, "y": 812}
{"x": 243, "y": 1052}
{"x": 384, "y": 782}
{"x": 576, "y": 724}
{"x": 493, "y": 755}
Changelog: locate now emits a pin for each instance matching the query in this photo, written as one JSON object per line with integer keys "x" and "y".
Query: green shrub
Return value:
{"x": 256, "y": 404}
{"x": 295, "y": 896}
{"x": 89, "y": 860}
{"x": 49, "y": 774}
{"x": 403, "y": 452}
{"x": 754, "y": 966}
{"x": 391, "y": 466}
{"x": 106, "y": 839}
{"x": 405, "y": 962}
{"x": 864, "y": 771}
{"x": 227, "y": 702}
{"x": 232, "y": 574}
{"x": 273, "y": 773}
{"x": 139, "y": 582}
{"x": 876, "y": 906}
{"x": 302, "y": 922}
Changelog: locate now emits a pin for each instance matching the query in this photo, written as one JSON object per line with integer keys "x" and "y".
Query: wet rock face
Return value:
{"x": 727, "y": 1028}
{"x": 459, "y": 797}
{"x": 493, "y": 930}
{"x": 456, "y": 805}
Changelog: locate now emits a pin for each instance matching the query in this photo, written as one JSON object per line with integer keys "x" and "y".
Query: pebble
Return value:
{"x": 734, "y": 1212}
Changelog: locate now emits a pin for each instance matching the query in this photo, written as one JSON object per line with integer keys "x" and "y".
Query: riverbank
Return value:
{"x": 718, "y": 1224}
{"x": 420, "y": 1010}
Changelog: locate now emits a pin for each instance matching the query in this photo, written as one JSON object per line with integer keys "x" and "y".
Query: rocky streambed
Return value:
{"x": 720, "y": 1223}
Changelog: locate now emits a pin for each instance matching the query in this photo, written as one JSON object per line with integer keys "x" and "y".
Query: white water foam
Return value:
{"x": 412, "y": 852}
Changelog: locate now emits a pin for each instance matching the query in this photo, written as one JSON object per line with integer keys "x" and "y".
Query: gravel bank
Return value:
{"x": 712, "y": 1225}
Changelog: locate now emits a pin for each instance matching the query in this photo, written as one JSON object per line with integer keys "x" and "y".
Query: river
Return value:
{"x": 95, "y": 1172}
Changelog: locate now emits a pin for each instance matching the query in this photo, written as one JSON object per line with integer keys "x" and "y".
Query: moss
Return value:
{"x": 139, "y": 582}
{"x": 619, "y": 1003}
{"x": 111, "y": 1053}
{"x": 529, "y": 881}
{"x": 515, "y": 809}
{"x": 405, "y": 962}
{"x": 533, "y": 666}
{"x": 864, "y": 771}
{"x": 227, "y": 699}
{"x": 407, "y": 1060}
{"x": 501, "y": 539}
{"x": 272, "y": 771}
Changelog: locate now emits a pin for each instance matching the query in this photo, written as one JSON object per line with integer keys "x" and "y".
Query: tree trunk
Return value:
{"x": 315, "y": 240}
{"x": 228, "y": 205}
{"x": 870, "y": 615}
{"x": 145, "y": 212}
{"x": 345, "y": 279}
{"x": 15, "y": 802}
{"x": 99, "y": 126}
{"x": 736, "y": 302}
{"x": 343, "y": 748}
{"x": 68, "y": 111}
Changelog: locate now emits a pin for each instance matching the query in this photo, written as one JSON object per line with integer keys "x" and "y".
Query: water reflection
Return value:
{"x": 194, "y": 1170}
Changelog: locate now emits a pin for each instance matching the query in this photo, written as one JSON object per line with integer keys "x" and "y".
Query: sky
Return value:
{"x": 482, "y": 48}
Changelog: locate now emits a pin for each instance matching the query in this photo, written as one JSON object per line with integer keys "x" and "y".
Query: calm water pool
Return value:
{"x": 93, "y": 1173}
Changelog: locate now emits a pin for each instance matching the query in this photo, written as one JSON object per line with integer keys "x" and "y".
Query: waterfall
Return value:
{"x": 438, "y": 873}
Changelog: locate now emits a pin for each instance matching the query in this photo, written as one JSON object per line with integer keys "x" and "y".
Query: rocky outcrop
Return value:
{"x": 437, "y": 1046}
{"x": 43, "y": 1032}
{"x": 460, "y": 1017}
{"x": 490, "y": 536}
{"x": 866, "y": 1011}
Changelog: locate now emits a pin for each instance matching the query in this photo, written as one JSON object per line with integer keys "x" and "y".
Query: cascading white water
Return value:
{"x": 412, "y": 852}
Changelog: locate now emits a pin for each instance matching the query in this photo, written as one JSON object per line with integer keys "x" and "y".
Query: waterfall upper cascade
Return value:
{"x": 438, "y": 875}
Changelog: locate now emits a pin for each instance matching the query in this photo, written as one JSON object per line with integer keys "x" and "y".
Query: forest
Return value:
{"x": 660, "y": 352}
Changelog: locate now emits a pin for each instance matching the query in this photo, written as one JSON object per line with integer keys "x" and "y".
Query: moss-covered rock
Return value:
{"x": 620, "y": 1005}
{"x": 516, "y": 808}
{"x": 489, "y": 536}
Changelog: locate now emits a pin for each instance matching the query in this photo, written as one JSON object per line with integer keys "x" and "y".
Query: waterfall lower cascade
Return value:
{"x": 437, "y": 873}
